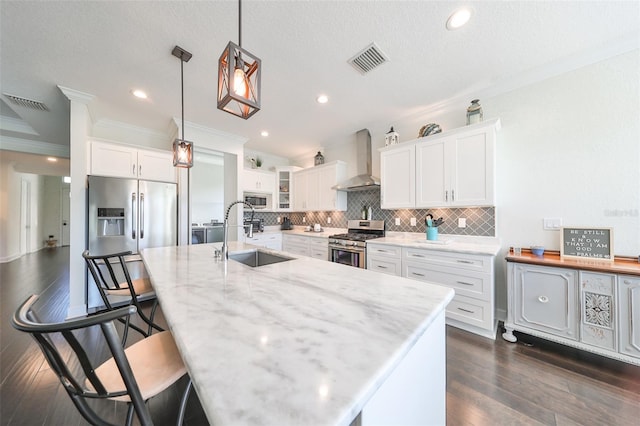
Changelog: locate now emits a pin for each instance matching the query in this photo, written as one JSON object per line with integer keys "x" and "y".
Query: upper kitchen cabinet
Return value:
{"x": 284, "y": 188}
{"x": 313, "y": 188}
{"x": 398, "y": 177}
{"x": 109, "y": 159}
{"x": 259, "y": 181}
{"x": 449, "y": 169}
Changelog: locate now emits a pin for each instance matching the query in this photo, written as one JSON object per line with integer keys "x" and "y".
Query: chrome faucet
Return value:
{"x": 225, "y": 248}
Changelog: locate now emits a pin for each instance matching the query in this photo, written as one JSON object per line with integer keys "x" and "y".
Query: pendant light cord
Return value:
{"x": 240, "y": 23}
{"x": 182, "y": 90}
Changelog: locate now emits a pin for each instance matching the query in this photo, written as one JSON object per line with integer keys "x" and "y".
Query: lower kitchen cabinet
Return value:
{"x": 272, "y": 241}
{"x": 470, "y": 275}
{"x": 384, "y": 258}
{"x": 592, "y": 309}
{"x": 316, "y": 247}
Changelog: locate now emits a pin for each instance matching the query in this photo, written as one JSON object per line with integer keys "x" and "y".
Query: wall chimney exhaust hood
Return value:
{"x": 363, "y": 180}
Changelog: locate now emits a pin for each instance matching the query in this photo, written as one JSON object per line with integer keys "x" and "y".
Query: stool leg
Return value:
{"x": 183, "y": 403}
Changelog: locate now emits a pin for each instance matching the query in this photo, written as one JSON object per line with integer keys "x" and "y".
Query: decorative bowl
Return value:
{"x": 537, "y": 250}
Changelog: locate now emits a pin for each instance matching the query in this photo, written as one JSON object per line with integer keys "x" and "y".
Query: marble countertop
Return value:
{"x": 452, "y": 243}
{"x": 299, "y": 342}
{"x": 325, "y": 233}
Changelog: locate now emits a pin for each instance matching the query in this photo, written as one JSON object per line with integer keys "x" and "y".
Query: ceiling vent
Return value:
{"x": 27, "y": 103}
{"x": 368, "y": 59}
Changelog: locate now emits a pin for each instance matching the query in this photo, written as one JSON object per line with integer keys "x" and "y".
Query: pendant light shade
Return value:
{"x": 182, "y": 149}
{"x": 239, "y": 78}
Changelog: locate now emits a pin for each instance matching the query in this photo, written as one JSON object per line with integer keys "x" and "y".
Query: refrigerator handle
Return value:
{"x": 141, "y": 215}
{"x": 133, "y": 216}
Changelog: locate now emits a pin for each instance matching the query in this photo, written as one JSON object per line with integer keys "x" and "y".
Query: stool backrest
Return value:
{"x": 56, "y": 340}
{"x": 109, "y": 272}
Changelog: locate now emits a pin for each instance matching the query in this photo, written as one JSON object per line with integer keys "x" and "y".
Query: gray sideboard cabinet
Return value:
{"x": 586, "y": 305}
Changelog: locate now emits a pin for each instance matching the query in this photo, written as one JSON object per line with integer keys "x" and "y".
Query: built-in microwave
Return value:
{"x": 258, "y": 201}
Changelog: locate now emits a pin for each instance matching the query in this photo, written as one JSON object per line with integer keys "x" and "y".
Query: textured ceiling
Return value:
{"x": 108, "y": 48}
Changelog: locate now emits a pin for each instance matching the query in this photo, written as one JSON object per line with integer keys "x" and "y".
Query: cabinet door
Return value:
{"x": 629, "y": 332}
{"x": 311, "y": 195}
{"x": 255, "y": 181}
{"x": 113, "y": 160}
{"x": 153, "y": 165}
{"x": 432, "y": 175}
{"x": 398, "y": 178}
{"x": 546, "y": 300}
{"x": 598, "y": 310}
{"x": 300, "y": 180}
{"x": 472, "y": 169}
{"x": 284, "y": 190}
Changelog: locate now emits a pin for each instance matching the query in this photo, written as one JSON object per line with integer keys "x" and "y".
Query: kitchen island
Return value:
{"x": 304, "y": 342}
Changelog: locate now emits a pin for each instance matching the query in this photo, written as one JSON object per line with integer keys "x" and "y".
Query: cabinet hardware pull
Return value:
{"x": 543, "y": 299}
{"x": 140, "y": 170}
{"x": 462, "y": 282}
{"x": 453, "y": 195}
{"x": 417, "y": 274}
{"x": 382, "y": 267}
{"x": 464, "y": 261}
{"x": 133, "y": 169}
{"x": 446, "y": 195}
{"x": 466, "y": 310}
{"x": 417, "y": 255}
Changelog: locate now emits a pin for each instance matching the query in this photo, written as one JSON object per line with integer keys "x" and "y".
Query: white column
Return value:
{"x": 79, "y": 126}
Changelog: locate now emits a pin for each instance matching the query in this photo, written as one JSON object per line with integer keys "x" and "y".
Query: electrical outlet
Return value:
{"x": 304, "y": 219}
{"x": 413, "y": 221}
{"x": 278, "y": 219}
{"x": 397, "y": 221}
{"x": 328, "y": 220}
{"x": 462, "y": 222}
{"x": 552, "y": 223}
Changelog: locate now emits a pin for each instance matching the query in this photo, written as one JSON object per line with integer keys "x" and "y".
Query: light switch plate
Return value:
{"x": 397, "y": 221}
{"x": 328, "y": 220}
{"x": 278, "y": 219}
{"x": 462, "y": 222}
{"x": 304, "y": 219}
{"x": 552, "y": 223}
{"x": 413, "y": 221}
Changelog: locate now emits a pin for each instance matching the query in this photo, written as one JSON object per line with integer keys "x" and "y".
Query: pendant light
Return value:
{"x": 182, "y": 149}
{"x": 239, "y": 78}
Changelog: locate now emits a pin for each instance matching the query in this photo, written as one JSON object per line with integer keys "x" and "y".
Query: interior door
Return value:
{"x": 25, "y": 217}
{"x": 66, "y": 225}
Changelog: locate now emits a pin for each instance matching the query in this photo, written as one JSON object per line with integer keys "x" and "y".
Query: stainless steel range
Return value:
{"x": 351, "y": 248}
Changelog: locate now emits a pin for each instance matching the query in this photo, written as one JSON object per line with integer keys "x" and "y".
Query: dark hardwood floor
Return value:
{"x": 488, "y": 382}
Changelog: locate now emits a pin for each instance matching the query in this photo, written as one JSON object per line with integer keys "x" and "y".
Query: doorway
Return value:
{"x": 25, "y": 217}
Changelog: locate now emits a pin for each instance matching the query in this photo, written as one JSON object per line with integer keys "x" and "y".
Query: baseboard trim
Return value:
{"x": 10, "y": 258}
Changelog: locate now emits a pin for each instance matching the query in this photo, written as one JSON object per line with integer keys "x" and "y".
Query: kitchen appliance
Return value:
{"x": 351, "y": 248}
{"x": 256, "y": 224}
{"x": 258, "y": 201}
{"x": 207, "y": 233}
{"x": 131, "y": 215}
{"x": 364, "y": 179}
{"x": 286, "y": 224}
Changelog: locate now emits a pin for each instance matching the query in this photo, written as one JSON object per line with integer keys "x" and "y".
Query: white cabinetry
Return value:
{"x": 312, "y": 188}
{"x": 384, "y": 258}
{"x": 284, "y": 188}
{"x": 269, "y": 240}
{"x": 398, "y": 177}
{"x": 316, "y": 247}
{"x": 454, "y": 168}
{"x": 470, "y": 275}
{"x": 109, "y": 159}
{"x": 591, "y": 309}
{"x": 259, "y": 181}
{"x": 629, "y": 305}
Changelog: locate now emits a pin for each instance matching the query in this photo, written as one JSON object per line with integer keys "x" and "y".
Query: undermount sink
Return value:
{"x": 256, "y": 258}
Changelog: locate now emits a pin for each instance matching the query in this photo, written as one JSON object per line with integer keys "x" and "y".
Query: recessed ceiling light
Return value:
{"x": 458, "y": 18}
{"x": 139, "y": 94}
{"x": 52, "y": 159}
{"x": 264, "y": 133}
{"x": 322, "y": 99}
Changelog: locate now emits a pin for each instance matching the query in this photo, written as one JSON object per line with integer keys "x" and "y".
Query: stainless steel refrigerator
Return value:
{"x": 131, "y": 214}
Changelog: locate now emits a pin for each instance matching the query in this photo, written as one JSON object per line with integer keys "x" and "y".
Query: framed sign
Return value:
{"x": 586, "y": 243}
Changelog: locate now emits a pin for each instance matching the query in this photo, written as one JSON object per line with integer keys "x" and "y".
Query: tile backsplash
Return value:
{"x": 480, "y": 220}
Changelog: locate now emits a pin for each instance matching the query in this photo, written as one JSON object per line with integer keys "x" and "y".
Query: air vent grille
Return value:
{"x": 368, "y": 59}
{"x": 27, "y": 103}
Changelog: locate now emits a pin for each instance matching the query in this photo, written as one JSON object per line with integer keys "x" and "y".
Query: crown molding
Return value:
{"x": 230, "y": 137}
{"x": 106, "y": 123}
{"x": 76, "y": 95}
{"x": 33, "y": 147}
{"x": 16, "y": 125}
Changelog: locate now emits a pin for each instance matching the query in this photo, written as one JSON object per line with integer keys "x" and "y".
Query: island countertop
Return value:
{"x": 299, "y": 342}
